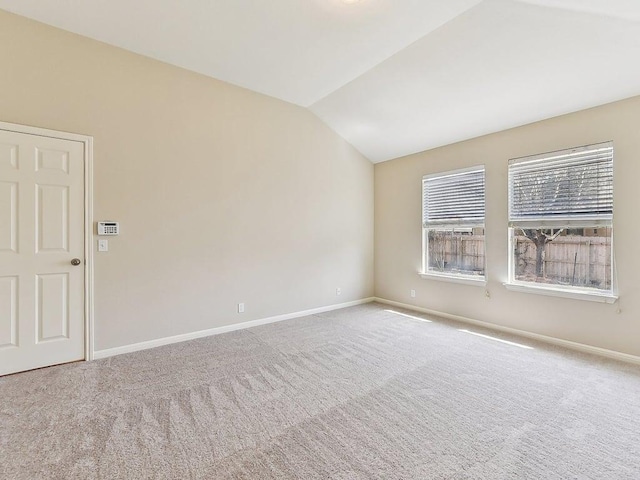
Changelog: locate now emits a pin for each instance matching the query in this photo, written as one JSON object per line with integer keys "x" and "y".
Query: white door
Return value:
{"x": 41, "y": 251}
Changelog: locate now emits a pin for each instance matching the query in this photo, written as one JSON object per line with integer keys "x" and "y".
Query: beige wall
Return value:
{"x": 228, "y": 196}
{"x": 223, "y": 195}
{"x": 398, "y": 231}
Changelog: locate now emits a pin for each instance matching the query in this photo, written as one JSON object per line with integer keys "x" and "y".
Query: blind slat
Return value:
{"x": 454, "y": 198}
{"x": 569, "y": 184}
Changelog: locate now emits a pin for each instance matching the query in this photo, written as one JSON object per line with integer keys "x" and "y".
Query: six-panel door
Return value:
{"x": 41, "y": 232}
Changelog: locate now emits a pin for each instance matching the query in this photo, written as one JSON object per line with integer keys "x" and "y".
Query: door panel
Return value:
{"x": 8, "y": 156}
{"x": 9, "y": 217}
{"x": 8, "y": 312}
{"x": 42, "y": 220}
{"x": 52, "y": 160}
{"x": 52, "y": 306}
{"x": 52, "y": 222}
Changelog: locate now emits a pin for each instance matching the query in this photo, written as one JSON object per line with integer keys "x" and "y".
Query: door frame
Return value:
{"x": 87, "y": 141}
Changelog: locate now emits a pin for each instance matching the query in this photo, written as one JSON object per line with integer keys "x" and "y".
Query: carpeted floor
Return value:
{"x": 361, "y": 393}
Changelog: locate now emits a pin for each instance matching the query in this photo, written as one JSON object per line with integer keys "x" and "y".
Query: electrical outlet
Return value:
{"x": 338, "y": 291}
{"x": 413, "y": 294}
{"x": 241, "y": 308}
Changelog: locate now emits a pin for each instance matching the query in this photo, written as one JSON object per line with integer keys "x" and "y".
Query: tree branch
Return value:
{"x": 554, "y": 236}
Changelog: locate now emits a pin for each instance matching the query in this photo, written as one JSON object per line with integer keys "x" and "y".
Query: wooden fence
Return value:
{"x": 570, "y": 260}
{"x": 460, "y": 253}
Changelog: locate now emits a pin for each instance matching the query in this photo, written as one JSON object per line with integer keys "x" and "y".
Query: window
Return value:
{"x": 561, "y": 220}
{"x": 453, "y": 206}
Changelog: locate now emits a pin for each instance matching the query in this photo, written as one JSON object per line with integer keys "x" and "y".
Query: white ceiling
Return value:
{"x": 393, "y": 77}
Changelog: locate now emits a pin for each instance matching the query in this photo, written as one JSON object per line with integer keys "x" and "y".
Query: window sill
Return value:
{"x": 462, "y": 279}
{"x": 557, "y": 292}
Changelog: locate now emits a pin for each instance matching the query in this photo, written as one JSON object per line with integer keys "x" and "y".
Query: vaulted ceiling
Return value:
{"x": 393, "y": 77}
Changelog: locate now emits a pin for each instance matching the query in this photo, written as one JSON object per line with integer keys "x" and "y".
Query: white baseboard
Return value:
{"x": 603, "y": 352}
{"x": 134, "y": 347}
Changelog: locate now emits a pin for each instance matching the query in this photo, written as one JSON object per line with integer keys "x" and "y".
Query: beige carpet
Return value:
{"x": 359, "y": 393}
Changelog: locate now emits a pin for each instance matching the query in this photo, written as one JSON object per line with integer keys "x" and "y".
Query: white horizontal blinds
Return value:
{"x": 573, "y": 186}
{"x": 454, "y": 198}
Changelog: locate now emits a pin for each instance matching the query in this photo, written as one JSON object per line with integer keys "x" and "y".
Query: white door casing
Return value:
{"x": 42, "y": 229}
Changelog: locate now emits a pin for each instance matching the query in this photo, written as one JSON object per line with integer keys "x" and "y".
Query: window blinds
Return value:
{"x": 572, "y": 186}
{"x": 454, "y": 198}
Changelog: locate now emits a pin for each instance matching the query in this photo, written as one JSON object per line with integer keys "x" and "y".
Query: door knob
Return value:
{"x": 75, "y": 262}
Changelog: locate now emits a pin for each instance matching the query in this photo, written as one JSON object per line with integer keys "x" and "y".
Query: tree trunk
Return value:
{"x": 540, "y": 238}
{"x": 539, "y": 259}
{"x": 540, "y": 246}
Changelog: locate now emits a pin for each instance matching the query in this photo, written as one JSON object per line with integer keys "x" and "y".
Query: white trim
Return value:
{"x": 580, "y": 347}
{"x": 562, "y": 153}
{"x": 453, "y": 173}
{"x": 560, "y": 292}
{"x": 88, "y": 217}
{"x": 134, "y": 347}
{"x": 89, "y": 249}
{"x": 462, "y": 279}
{"x": 562, "y": 223}
{"x": 44, "y": 132}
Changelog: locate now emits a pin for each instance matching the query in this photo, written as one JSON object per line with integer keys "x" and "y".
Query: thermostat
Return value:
{"x": 108, "y": 228}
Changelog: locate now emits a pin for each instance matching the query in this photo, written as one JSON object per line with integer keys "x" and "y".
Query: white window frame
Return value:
{"x": 605, "y": 296}
{"x": 479, "y": 280}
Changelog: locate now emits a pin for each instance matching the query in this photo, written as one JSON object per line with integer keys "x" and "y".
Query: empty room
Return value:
{"x": 320, "y": 239}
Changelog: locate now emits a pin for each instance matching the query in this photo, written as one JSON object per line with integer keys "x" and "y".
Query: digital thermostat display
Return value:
{"x": 108, "y": 228}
